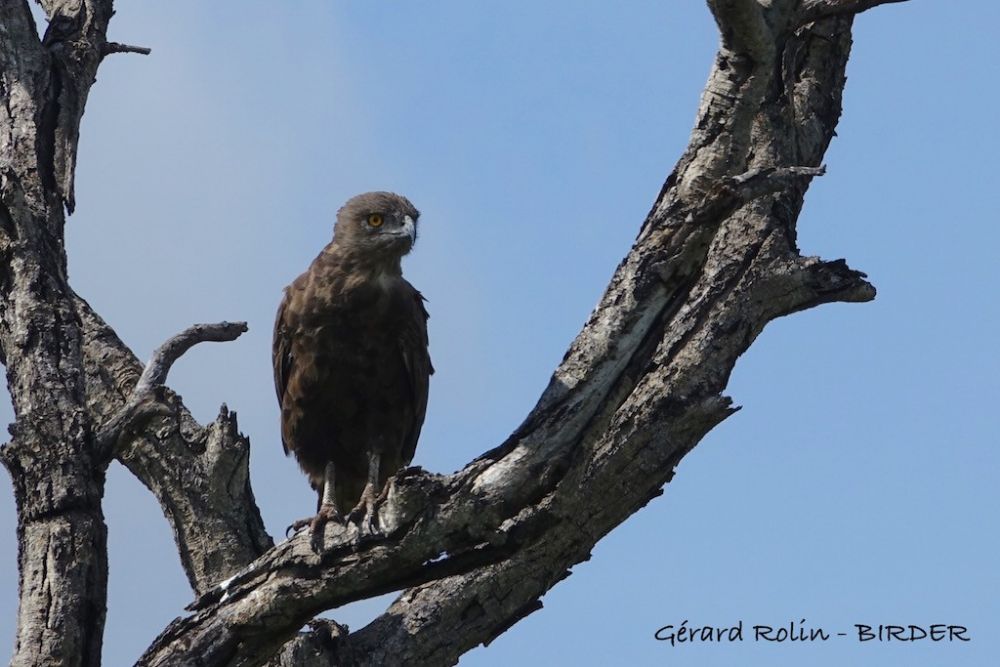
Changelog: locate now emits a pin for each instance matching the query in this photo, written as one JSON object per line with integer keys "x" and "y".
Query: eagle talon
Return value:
{"x": 316, "y": 523}
{"x": 365, "y": 513}
{"x": 293, "y": 528}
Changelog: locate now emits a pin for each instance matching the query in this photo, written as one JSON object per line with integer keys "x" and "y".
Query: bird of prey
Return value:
{"x": 351, "y": 365}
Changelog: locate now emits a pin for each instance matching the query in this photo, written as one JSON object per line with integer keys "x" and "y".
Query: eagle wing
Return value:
{"x": 411, "y": 346}
{"x": 281, "y": 357}
{"x": 417, "y": 361}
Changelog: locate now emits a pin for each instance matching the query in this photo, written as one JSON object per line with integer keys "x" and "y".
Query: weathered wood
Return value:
{"x": 62, "y": 554}
{"x": 813, "y": 10}
{"x": 714, "y": 261}
{"x": 67, "y": 372}
{"x": 199, "y": 474}
{"x": 148, "y": 399}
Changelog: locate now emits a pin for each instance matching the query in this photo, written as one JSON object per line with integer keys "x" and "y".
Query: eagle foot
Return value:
{"x": 326, "y": 514}
{"x": 365, "y": 513}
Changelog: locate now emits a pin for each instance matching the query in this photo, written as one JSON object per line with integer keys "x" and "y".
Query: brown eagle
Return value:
{"x": 351, "y": 366}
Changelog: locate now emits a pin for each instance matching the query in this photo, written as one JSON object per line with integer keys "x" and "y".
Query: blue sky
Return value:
{"x": 857, "y": 485}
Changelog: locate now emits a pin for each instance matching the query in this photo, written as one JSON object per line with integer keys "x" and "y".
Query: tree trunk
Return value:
{"x": 62, "y": 554}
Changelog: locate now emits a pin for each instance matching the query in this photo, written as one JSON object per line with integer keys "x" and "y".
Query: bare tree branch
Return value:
{"x": 75, "y": 38}
{"x": 164, "y": 357}
{"x": 115, "y": 47}
{"x": 199, "y": 475}
{"x": 813, "y": 10}
{"x": 146, "y": 401}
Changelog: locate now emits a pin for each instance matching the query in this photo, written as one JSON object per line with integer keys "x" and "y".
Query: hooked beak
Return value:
{"x": 410, "y": 229}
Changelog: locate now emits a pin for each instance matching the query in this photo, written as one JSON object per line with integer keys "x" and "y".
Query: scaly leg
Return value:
{"x": 327, "y": 509}
{"x": 367, "y": 508}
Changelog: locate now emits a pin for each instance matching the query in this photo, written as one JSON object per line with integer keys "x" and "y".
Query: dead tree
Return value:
{"x": 714, "y": 261}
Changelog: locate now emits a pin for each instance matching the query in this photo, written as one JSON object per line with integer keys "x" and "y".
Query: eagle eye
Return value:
{"x": 375, "y": 220}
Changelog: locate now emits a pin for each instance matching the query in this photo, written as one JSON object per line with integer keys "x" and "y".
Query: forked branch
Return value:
{"x": 148, "y": 399}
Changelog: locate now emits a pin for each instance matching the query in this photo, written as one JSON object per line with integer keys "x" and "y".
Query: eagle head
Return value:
{"x": 381, "y": 223}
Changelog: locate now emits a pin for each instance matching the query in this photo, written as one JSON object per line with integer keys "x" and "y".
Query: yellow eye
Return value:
{"x": 375, "y": 220}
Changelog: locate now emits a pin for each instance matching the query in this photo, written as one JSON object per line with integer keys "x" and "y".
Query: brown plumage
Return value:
{"x": 351, "y": 365}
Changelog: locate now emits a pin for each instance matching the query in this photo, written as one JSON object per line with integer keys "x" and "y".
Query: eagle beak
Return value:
{"x": 410, "y": 229}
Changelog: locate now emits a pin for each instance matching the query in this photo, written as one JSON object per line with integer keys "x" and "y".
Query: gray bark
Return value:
{"x": 62, "y": 538}
{"x": 200, "y": 475}
{"x": 714, "y": 262}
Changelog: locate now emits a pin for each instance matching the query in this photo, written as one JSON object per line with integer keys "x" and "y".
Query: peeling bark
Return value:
{"x": 715, "y": 260}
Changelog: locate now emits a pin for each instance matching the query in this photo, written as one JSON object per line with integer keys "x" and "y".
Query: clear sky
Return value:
{"x": 857, "y": 485}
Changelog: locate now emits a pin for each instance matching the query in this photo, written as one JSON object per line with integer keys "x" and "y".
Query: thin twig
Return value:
{"x": 116, "y": 47}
